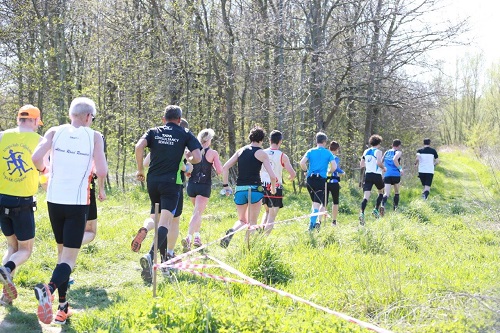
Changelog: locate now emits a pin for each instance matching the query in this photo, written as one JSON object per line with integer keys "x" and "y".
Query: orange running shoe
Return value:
{"x": 44, "y": 297}
{"x": 137, "y": 241}
{"x": 62, "y": 314}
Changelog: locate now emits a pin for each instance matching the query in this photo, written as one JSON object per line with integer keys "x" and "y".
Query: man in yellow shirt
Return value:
{"x": 18, "y": 185}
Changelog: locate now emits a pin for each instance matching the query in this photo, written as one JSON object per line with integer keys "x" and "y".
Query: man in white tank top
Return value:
{"x": 279, "y": 160}
{"x": 72, "y": 149}
{"x": 373, "y": 162}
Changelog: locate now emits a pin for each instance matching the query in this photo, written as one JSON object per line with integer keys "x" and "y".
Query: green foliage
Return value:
{"x": 265, "y": 264}
{"x": 422, "y": 268}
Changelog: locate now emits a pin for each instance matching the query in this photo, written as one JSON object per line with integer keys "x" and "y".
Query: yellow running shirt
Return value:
{"x": 18, "y": 175}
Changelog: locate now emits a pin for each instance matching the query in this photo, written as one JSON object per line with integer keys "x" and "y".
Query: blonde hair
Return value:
{"x": 205, "y": 135}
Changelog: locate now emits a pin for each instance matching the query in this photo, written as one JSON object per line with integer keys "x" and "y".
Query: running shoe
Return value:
{"x": 197, "y": 242}
{"x": 375, "y": 213}
{"x": 4, "y": 299}
{"x": 395, "y": 208}
{"x": 334, "y": 223}
{"x": 226, "y": 240}
{"x": 147, "y": 268}
{"x": 137, "y": 241}
{"x": 44, "y": 297}
{"x": 186, "y": 245}
{"x": 62, "y": 314}
{"x": 9, "y": 288}
{"x": 362, "y": 218}
{"x": 317, "y": 226}
{"x": 382, "y": 211}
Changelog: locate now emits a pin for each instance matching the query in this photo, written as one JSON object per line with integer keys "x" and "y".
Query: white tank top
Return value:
{"x": 276, "y": 160}
{"x": 70, "y": 165}
{"x": 371, "y": 165}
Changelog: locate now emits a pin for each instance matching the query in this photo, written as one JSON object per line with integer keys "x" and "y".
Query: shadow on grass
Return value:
{"x": 84, "y": 297}
{"x": 17, "y": 321}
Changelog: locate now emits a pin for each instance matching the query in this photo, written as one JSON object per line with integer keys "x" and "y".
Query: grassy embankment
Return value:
{"x": 433, "y": 266}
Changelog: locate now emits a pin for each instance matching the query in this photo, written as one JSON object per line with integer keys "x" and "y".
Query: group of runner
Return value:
{"x": 71, "y": 157}
{"x": 385, "y": 170}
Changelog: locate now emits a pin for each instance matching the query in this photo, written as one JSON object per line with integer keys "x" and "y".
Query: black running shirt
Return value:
{"x": 167, "y": 144}
{"x": 249, "y": 167}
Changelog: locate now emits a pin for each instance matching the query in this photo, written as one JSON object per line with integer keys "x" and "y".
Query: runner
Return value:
{"x": 249, "y": 192}
{"x": 374, "y": 164}
{"x": 333, "y": 182}
{"x": 392, "y": 163}
{"x": 149, "y": 222}
{"x": 315, "y": 162}
{"x": 18, "y": 185}
{"x": 427, "y": 159}
{"x": 73, "y": 148}
{"x": 167, "y": 144}
{"x": 200, "y": 186}
{"x": 279, "y": 160}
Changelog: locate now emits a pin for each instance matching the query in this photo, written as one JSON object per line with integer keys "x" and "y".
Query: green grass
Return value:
{"x": 433, "y": 266}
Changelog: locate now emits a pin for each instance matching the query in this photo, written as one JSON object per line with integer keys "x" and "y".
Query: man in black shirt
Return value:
{"x": 167, "y": 144}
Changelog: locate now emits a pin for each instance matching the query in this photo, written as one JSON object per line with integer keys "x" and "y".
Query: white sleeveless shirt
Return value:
{"x": 276, "y": 160}
{"x": 71, "y": 165}
{"x": 370, "y": 156}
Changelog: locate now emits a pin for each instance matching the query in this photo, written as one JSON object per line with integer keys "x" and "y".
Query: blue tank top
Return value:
{"x": 202, "y": 172}
{"x": 249, "y": 167}
{"x": 391, "y": 169}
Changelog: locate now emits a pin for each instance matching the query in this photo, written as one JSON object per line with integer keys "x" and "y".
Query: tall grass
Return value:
{"x": 433, "y": 266}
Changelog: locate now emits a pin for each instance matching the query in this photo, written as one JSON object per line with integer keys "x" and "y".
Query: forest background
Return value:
{"x": 348, "y": 68}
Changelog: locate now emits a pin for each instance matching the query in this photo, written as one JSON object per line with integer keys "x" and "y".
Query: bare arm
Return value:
{"x": 333, "y": 166}
{"x": 362, "y": 162}
{"x": 101, "y": 165}
{"x": 225, "y": 169}
{"x": 195, "y": 156}
{"x": 139, "y": 157}
{"x": 42, "y": 149}
{"x": 303, "y": 163}
{"x": 102, "y": 189}
{"x": 396, "y": 158}
{"x": 214, "y": 158}
{"x": 288, "y": 167}
{"x": 436, "y": 161}
{"x": 147, "y": 160}
{"x": 380, "y": 161}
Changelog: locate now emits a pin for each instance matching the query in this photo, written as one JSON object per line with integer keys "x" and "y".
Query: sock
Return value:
{"x": 396, "y": 199}
{"x": 162, "y": 237}
{"x": 190, "y": 237}
{"x": 63, "y": 306}
{"x": 10, "y": 265}
{"x": 196, "y": 234}
{"x": 363, "y": 205}
{"x": 384, "y": 200}
{"x": 60, "y": 277}
{"x": 170, "y": 252}
{"x": 312, "y": 221}
{"x": 163, "y": 250}
{"x": 62, "y": 290}
{"x": 379, "y": 201}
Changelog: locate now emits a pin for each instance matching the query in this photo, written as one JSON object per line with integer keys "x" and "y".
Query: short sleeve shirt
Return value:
{"x": 426, "y": 157}
{"x": 319, "y": 159}
{"x": 167, "y": 144}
